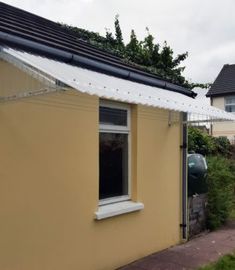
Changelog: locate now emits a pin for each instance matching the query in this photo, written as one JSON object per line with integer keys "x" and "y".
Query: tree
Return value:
{"x": 118, "y": 34}
{"x": 132, "y": 50}
{"x": 146, "y": 54}
{"x": 110, "y": 40}
{"x": 147, "y": 49}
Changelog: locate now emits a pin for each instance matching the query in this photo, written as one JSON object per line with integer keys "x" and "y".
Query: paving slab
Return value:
{"x": 197, "y": 252}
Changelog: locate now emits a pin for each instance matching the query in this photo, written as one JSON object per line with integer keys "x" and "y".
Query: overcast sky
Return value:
{"x": 206, "y": 29}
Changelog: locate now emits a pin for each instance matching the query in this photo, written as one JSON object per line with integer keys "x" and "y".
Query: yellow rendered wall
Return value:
{"x": 223, "y": 128}
{"x": 49, "y": 186}
{"x": 14, "y": 81}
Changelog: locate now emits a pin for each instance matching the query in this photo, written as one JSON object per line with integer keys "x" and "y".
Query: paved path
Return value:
{"x": 191, "y": 255}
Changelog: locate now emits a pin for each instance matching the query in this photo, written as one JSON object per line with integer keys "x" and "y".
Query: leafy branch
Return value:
{"x": 145, "y": 54}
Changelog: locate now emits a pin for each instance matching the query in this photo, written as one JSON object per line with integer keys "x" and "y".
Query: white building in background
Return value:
{"x": 222, "y": 96}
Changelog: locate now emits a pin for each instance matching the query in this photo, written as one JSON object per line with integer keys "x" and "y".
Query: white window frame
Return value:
{"x": 228, "y": 104}
{"x": 123, "y": 130}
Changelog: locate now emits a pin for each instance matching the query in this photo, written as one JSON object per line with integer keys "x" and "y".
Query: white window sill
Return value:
{"x": 115, "y": 209}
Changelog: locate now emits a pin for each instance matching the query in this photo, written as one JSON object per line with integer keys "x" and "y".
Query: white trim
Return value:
{"x": 116, "y": 105}
{"x": 103, "y": 129}
{"x": 114, "y": 199}
{"x": 229, "y": 97}
{"x": 114, "y": 128}
{"x": 121, "y": 130}
{"x": 111, "y": 210}
{"x": 229, "y": 104}
{"x": 113, "y": 88}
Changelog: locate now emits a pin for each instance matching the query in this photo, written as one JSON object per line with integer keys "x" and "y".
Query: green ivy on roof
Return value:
{"x": 145, "y": 54}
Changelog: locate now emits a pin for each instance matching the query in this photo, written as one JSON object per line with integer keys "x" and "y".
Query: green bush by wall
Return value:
{"x": 220, "y": 181}
{"x": 220, "y": 178}
{"x": 202, "y": 143}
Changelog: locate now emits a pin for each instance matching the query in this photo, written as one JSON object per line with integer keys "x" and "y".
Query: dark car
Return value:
{"x": 197, "y": 171}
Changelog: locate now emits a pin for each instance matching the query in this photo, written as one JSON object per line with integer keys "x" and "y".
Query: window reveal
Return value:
{"x": 113, "y": 152}
{"x": 230, "y": 104}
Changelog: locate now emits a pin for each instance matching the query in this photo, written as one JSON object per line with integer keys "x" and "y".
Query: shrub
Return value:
{"x": 200, "y": 142}
{"x": 222, "y": 146}
{"x": 220, "y": 180}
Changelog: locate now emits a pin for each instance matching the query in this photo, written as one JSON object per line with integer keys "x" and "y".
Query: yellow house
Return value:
{"x": 93, "y": 152}
{"x": 222, "y": 96}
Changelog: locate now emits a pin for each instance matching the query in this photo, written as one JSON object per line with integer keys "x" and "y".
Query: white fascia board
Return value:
{"x": 113, "y": 88}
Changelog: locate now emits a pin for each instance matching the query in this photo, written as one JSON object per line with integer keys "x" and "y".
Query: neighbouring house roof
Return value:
{"x": 224, "y": 84}
{"x": 43, "y": 49}
{"x": 18, "y": 26}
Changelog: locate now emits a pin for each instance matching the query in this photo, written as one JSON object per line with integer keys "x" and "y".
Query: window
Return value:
{"x": 230, "y": 104}
{"x": 114, "y": 147}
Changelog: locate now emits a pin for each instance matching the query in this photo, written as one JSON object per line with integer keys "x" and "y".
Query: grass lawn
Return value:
{"x": 226, "y": 262}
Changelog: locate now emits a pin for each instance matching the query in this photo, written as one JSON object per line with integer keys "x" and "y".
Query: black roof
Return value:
{"x": 224, "y": 84}
{"x": 25, "y": 30}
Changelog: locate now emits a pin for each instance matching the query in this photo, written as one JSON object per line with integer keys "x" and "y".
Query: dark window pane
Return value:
{"x": 230, "y": 108}
{"x": 230, "y": 100}
{"x": 113, "y": 165}
{"x": 113, "y": 116}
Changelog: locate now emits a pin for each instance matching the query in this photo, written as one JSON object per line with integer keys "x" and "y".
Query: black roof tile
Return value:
{"x": 28, "y": 26}
{"x": 224, "y": 84}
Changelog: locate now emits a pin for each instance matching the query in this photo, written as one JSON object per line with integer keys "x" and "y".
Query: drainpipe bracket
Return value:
{"x": 184, "y": 146}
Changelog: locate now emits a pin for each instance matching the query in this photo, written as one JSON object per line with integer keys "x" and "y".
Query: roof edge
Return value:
{"x": 93, "y": 64}
{"x": 220, "y": 94}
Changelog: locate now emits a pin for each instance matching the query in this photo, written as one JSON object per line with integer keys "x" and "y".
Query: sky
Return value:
{"x": 205, "y": 29}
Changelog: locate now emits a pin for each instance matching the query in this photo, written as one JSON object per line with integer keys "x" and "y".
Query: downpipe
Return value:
{"x": 184, "y": 147}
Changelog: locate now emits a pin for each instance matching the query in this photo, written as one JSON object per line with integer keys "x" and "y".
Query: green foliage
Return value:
{"x": 232, "y": 214}
{"x": 220, "y": 181}
{"x": 133, "y": 49}
{"x": 201, "y": 85}
{"x": 222, "y": 146}
{"x": 202, "y": 143}
{"x": 118, "y": 34}
{"x": 220, "y": 175}
{"x": 145, "y": 54}
{"x": 227, "y": 262}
